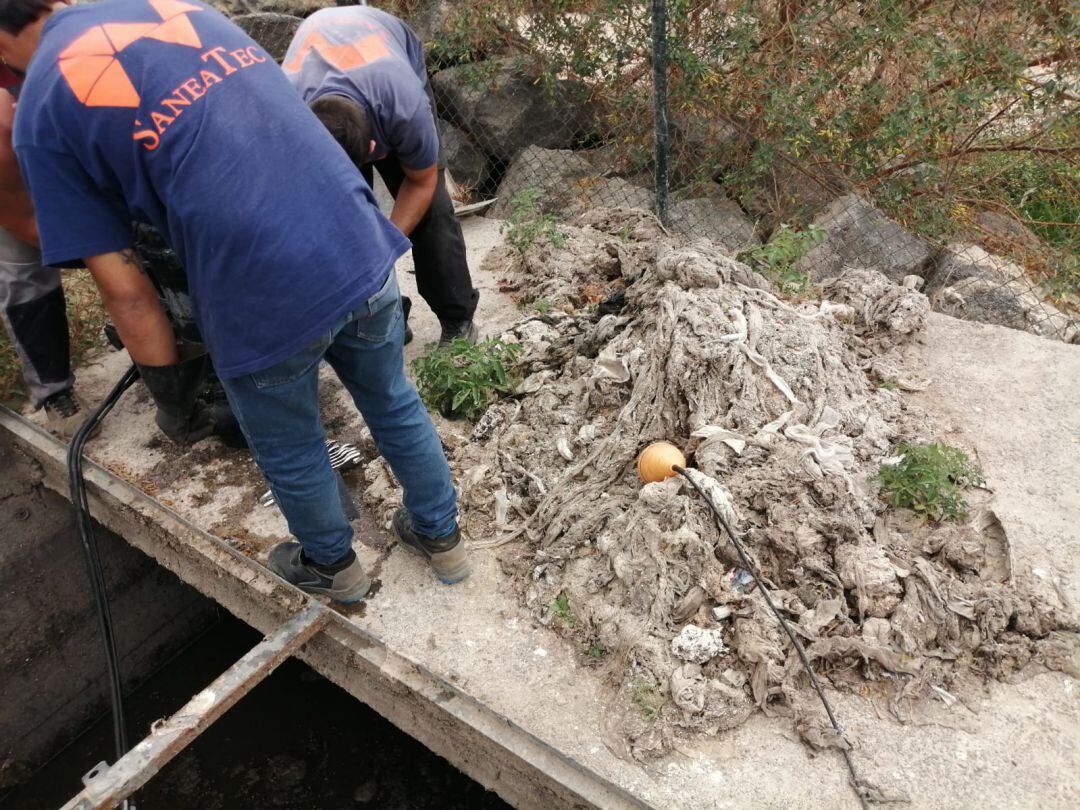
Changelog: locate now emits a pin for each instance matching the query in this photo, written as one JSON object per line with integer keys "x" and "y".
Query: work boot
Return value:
{"x": 343, "y": 582}
{"x": 181, "y": 414}
{"x": 452, "y": 330}
{"x": 447, "y": 555}
{"x": 64, "y": 413}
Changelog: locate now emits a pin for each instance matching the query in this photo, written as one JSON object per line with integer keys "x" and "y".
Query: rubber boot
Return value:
{"x": 181, "y": 414}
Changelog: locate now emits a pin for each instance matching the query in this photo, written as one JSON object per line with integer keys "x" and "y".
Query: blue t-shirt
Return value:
{"x": 376, "y": 60}
{"x": 163, "y": 111}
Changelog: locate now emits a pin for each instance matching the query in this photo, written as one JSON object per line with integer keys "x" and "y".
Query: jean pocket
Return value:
{"x": 379, "y": 326}
{"x": 293, "y": 368}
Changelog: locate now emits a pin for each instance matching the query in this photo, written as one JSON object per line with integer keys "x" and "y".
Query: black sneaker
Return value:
{"x": 452, "y": 330}
{"x": 347, "y": 585}
{"x": 447, "y": 555}
{"x": 64, "y": 412}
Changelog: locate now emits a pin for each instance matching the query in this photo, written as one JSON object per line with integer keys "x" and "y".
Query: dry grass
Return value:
{"x": 86, "y": 317}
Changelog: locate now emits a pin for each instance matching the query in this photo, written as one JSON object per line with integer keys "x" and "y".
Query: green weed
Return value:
{"x": 543, "y": 306}
{"x": 527, "y": 225}
{"x": 776, "y": 259}
{"x": 647, "y": 698}
{"x": 560, "y": 606}
{"x": 596, "y": 650}
{"x": 928, "y": 479}
{"x": 462, "y": 379}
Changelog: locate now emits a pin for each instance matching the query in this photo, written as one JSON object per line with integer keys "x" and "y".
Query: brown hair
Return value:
{"x": 347, "y": 121}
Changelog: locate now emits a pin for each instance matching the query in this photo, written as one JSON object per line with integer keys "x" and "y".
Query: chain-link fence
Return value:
{"x": 935, "y": 140}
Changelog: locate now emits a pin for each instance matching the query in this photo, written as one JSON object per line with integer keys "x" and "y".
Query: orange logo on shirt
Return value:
{"x": 90, "y": 66}
{"x": 346, "y": 56}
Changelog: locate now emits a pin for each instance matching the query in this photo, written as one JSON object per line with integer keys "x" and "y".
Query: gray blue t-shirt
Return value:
{"x": 163, "y": 111}
{"x": 376, "y": 60}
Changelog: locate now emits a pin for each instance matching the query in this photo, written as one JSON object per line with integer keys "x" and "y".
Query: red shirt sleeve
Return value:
{"x": 8, "y": 78}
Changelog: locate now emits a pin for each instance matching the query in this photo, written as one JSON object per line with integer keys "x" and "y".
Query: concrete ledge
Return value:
{"x": 522, "y": 769}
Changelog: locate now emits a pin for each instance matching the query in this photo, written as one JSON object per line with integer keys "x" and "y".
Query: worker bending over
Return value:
{"x": 163, "y": 111}
{"x": 362, "y": 72}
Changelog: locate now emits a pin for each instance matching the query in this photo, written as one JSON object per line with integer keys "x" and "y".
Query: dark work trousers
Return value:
{"x": 442, "y": 272}
{"x": 32, "y": 309}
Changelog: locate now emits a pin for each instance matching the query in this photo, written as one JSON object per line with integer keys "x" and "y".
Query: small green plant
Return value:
{"x": 927, "y": 479}
{"x": 776, "y": 259}
{"x": 888, "y": 383}
{"x": 543, "y": 306}
{"x": 561, "y": 608}
{"x": 527, "y": 225}
{"x": 646, "y": 697}
{"x": 462, "y": 379}
{"x": 596, "y": 650}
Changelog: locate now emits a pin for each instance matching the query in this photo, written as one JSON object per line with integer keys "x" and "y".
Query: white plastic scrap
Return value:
{"x": 562, "y": 444}
{"x": 502, "y": 507}
{"x": 718, "y": 494}
{"x": 713, "y": 434}
{"x": 824, "y": 455}
{"x": 610, "y": 367}
{"x": 698, "y": 644}
{"x": 739, "y": 337}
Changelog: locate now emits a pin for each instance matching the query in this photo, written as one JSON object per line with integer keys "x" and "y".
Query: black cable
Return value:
{"x": 85, "y": 526}
{"x": 856, "y": 782}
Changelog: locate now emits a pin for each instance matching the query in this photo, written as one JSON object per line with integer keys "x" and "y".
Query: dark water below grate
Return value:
{"x": 296, "y": 741}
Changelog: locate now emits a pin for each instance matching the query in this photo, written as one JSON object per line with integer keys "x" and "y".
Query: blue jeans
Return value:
{"x": 278, "y": 410}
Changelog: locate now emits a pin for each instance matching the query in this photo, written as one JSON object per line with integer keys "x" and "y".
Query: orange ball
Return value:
{"x": 656, "y": 461}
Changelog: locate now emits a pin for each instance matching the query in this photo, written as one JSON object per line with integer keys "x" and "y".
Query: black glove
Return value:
{"x": 181, "y": 414}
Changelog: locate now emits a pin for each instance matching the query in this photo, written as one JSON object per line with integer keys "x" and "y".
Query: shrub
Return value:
{"x": 462, "y": 379}
{"x": 927, "y": 479}
{"x": 527, "y": 225}
{"x": 776, "y": 258}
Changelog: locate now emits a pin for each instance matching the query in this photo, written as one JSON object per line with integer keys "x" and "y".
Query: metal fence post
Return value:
{"x": 659, "y": 64}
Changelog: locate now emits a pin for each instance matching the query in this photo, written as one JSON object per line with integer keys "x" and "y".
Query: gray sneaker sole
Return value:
{"x": 472, "y": 334}
{"x": 449, "y": 567}
{"x": 346, "y": 596}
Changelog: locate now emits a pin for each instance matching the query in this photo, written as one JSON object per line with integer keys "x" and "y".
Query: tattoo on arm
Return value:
{"x": 131, "y": 258}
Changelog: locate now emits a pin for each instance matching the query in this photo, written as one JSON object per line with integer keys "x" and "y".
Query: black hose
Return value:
{"x": 93, "y": 560}
{"x": 856, "y": 783}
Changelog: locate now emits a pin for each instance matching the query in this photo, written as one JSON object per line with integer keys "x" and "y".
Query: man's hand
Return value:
{"x": 133, "y": 304}
{"x": 414, "y": 197}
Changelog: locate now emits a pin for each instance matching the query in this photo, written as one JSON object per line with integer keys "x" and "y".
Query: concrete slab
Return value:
{"x": 467, "y": 672}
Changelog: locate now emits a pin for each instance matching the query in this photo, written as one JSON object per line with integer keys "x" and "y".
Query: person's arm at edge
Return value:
{"x": 414, "y": 197}
{"x": 134, "y": 307}
{"x": 16, "y": 210}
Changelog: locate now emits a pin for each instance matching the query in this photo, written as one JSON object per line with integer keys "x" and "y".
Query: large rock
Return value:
{"x": 714, "y": 217}
{"x": 608, "y": 192}
{"x": 298, "y": 8}
{"x": 272, "y": 31}
{"x": 969, "y": 283}
{"x": 1001, "y": 230}
{"x": 465, "y": 161}
{"x": 505, "y": 110}
{"x": 859, "y": 235}
{"x": 552, "y": 172}
{"x": 567, "y": 183}
{"x": 429, "y": 18}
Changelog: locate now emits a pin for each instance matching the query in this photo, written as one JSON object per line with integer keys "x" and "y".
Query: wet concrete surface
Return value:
{"x": 296, "y": 741}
